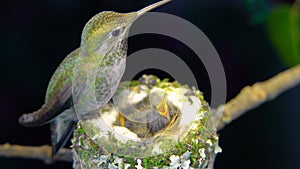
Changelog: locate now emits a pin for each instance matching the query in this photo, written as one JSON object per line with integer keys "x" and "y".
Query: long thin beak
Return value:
{"x": 150, "y": 7}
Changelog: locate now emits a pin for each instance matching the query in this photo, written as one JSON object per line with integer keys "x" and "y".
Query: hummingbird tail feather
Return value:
{"x": 62, "y": 128}
{"x": 49, "y": 110}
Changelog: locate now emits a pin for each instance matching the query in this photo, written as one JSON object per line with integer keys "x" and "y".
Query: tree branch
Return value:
{"x": 35, "y": 152}
{"x": 252, "y": 96}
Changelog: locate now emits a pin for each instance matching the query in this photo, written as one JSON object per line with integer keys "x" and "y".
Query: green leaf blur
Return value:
{"x": 283, "y": 28}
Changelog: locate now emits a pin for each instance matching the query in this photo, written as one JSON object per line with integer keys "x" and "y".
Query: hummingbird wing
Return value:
{"x": 62, "y": 128}
{"x": 57, "y": 104}
{"x": 60, "y": 108}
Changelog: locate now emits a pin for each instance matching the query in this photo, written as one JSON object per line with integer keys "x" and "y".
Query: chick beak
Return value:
{"x": 162, "y": 108}
{"x": 122, "y": 120}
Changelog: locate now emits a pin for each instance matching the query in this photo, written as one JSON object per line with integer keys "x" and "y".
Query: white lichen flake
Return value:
{"x": 185, "y": 164}
{"x": 139, "y": 164}
{"x": 113, "y": 139}
{"x": 175, "y": 162}
{"x": 202, "y": 153}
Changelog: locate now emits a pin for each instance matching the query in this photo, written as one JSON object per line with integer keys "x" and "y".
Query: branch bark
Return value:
{"x": 252, "y": 96}
{"x": 35, "y": 152}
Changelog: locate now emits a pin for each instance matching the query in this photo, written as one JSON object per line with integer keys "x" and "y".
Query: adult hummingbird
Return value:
{"x": 96, "y": 67}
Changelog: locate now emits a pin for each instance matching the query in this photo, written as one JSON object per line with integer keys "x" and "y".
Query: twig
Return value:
{"x": 35, "y": 152}
{"x": 252, "y": 96}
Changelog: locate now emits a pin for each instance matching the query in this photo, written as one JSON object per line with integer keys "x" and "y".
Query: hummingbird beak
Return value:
{"x": 145, "y": 10}
{"x": 150, "y": 7}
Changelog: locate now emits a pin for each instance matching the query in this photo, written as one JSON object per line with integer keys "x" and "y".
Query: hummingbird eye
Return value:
{"x": 116, "y": 32}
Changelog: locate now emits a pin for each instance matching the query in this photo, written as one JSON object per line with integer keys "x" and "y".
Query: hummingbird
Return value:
{"x": 97, "y": 65}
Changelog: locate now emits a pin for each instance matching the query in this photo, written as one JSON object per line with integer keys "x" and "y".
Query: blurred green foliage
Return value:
{"x": 283, "y": 27}
{"x": 258, "y": 10}
{"x": 284, "y": 30}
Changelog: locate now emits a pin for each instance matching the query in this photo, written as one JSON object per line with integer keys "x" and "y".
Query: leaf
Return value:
{"x": 284, "y": 30}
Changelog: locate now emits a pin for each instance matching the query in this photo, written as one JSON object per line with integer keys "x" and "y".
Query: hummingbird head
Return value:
{"x": 108, "y": 29}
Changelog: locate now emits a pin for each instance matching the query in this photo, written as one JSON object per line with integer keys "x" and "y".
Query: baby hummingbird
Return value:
{"x": 96, "y": 67}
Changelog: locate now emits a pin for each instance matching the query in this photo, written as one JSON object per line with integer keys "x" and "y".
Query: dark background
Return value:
{"x": 37, "y": 35}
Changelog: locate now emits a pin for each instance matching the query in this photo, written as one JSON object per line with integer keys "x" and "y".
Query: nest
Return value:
{"x": 187, "y": 140}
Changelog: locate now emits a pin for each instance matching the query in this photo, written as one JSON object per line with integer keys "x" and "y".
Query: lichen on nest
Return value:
{"x": 187, "y": 141}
